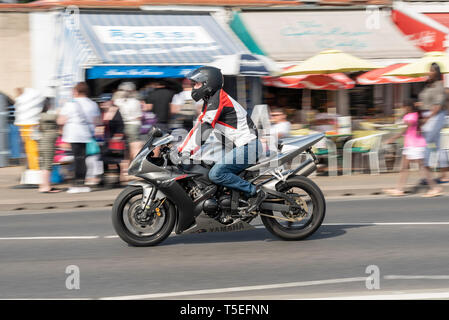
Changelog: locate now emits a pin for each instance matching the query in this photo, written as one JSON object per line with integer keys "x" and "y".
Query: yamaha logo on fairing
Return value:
{"x": 234, "y": 227}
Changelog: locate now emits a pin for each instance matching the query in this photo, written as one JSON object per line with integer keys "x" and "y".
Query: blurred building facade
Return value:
{"x": 57, "y": 43}
{"x": 15, "y": 52}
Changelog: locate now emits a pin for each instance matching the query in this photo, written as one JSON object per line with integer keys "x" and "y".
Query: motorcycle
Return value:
{"x": 180, "y": 196}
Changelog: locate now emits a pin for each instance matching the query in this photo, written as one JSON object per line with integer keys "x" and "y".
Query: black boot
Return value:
{"x": 256, "y": 200}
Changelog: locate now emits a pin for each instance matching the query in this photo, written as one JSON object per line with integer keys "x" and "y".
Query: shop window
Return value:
{"x": 361, "y": 102}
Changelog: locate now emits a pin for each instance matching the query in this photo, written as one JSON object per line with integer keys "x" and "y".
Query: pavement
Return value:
{"x": 16, "y": 197}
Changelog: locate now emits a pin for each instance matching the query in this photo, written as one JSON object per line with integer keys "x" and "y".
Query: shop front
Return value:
{"x": 294, "y": 35}
{"x": 104, "y": 47}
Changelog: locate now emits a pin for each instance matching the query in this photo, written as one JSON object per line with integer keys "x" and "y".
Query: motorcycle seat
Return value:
{"x": 195, "y": 169}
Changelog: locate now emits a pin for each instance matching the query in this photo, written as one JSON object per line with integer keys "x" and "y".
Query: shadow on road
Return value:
{"x": 217, "y": 237}
{"x": 262, "y": 234}
{"x": 325, "y": 232}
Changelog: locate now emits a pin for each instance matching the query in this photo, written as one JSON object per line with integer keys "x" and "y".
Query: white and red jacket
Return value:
{"x": 226, "y": 116}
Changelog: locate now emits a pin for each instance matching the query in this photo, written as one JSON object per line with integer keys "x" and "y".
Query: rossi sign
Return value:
{"x": 152, "y": 35}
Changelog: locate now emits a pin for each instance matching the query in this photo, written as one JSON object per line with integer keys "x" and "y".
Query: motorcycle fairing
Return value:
{"x": 206, "y": 224}
{"x": 186, "y": 209}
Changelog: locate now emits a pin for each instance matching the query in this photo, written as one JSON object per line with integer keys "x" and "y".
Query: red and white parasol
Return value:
{"x": 332, "y": 81}
{"x": 377, "y": 76}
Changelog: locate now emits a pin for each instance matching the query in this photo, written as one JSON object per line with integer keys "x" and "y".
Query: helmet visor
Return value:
{"x": 197, "y": 76}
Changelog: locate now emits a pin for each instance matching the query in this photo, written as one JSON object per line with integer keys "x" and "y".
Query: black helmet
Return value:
{"x": 212, "y": 81}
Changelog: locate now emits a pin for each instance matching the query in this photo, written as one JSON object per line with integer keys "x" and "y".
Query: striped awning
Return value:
{"x": 378, "y": 76}
{"x": 141, "y": 38}
{"x": 74, "y": 53}
{"x": 332, "y": 81}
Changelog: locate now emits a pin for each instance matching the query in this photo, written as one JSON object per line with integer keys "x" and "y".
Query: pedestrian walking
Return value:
{"x": 433, "y": 104}
{"x": 113, "y": 132}
{"x": 14, "y": 140}
{"x": 160, "y": 103}
{"x": 79, "y": 118}
{"x": 184, "y": 108}
{"x": 49, "y": 132}
{"x": 414, "y": 151}
{"x": 131, "y": 111}
{"x": 280, "y": 126}
{"x": 149, "y": 119}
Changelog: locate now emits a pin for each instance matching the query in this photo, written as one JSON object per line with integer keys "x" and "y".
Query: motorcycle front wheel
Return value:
{"x": 306, "y": 220}
{"x": 139, "y": 228}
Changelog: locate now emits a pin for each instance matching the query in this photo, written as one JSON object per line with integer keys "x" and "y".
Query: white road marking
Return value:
{"x": 49, "y": 299}
{"x": 377, "y": 224}
{"x": 399, "y": 296}
{"x": 416, "y": 277}
{"x": 236, "y": 289}
{"x": 385, "y": 224}
{"x": 53, "y": 238}
{"x": 53, "y": 211}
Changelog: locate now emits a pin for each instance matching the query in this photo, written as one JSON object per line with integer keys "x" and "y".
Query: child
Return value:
{"x": 414, "y": 151}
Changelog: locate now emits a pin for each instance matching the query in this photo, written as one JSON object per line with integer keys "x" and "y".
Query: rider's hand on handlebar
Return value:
{"x": 184, "y": 156}
{"x": 178, "y": 157}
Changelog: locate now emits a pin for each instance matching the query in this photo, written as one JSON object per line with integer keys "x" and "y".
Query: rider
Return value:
{"x": 228, "y": 117}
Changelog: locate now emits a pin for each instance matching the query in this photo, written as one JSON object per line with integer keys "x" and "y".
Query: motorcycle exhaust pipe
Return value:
{"x": 274, "y": 207}
{"x": 306, "y": 170}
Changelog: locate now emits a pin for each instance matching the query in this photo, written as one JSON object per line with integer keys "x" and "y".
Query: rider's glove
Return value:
{"x": 183, "y": 156}
{"x": 179, "y": 157}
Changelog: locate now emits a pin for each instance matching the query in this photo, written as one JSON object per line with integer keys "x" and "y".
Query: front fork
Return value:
{"x": 149, "y": 191}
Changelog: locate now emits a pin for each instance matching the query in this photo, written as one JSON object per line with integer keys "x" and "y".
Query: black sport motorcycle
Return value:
{"x": 181, "y": 196}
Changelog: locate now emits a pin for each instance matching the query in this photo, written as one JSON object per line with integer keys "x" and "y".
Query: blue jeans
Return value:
{"x": 225, "y": 172}
{"x": 432, "y": 137}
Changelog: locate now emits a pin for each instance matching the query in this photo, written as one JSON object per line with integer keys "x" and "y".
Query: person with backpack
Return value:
{"x": 114, "y": 147}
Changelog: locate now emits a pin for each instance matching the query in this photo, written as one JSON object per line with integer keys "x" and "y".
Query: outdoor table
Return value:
{"x": 389, "y": 126}
{"x": 339, "y": 138}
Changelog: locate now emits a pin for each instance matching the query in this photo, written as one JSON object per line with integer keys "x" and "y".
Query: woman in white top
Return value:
{"x": 79, "y": 118}
{"x": 131, "y": 110}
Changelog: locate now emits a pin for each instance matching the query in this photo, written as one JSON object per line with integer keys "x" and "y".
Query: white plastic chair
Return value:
{"x": 397, "y": 153}
{"x": 372, "y": 154}
{"x": 331, "y": 155}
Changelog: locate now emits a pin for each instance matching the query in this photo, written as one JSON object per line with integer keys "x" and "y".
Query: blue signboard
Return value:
{"x": 111, "y": 72}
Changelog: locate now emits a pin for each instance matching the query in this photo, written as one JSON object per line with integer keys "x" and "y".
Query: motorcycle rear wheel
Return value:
{"x": 309, "y": 195}
{"x": 125, "y": 219}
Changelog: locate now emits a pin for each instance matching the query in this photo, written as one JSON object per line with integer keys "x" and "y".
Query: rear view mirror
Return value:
{"x": 156, "y": 132}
